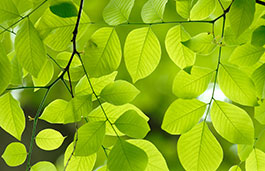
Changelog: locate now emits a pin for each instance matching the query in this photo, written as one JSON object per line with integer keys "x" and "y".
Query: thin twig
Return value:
{"x": 260, "y": 2}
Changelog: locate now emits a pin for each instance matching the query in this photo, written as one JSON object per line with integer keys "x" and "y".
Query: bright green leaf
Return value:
{"x": 90, "y": 138}
{"x": 178, "y": 53}
{"x": 246, "y": 55}
{"x": 12, "y": 118}
{"x": 8, "y": 11}
{"x": 133, "y": 125}
{"x": 125, "y": 156}
{"x": 202, "y": 9}
{"x": 241, "y": 15}
{"x": 230, "y": 37}
{"x": 78, "y": 163}
{"x": 260, "y": 113}
{"x": 142, "y": 53}
{"x": 255, "y": 161}
{"x": 156, "y": 161}
{"x": 43, "y": 166}
{"x": 102, "y": 52}
{"x": 119, "y": 92}
{"x": 64, "y": 9}
{"x": 30, "y": 48}
{"x": 259, "y": 81}
{"x": 153, "y": 11}
{"x": 203, "y": 43}
{"x": 117, "y": 11}
{"x": 199, "y": 150}
{"x": 49, "y": 139}
{"x": 243, "y": 151}
{"x": 15, "y": 154}
{"x": 235, "y": 168}
{"x": 236, "y": 85}
{"x": 17, "y": 72}
{"x": 258, "y": 36}
{"x": 232, "y": 123}
{"x": 192, "y": 85}
{"x": 5, "y": 70}
{"x": 183, "y": 7}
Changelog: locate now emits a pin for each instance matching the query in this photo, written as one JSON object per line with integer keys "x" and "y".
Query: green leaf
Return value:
{"x": 63, "y": 58}
{"x": 90, "y": 138}
{"x": 182, "y": 115}
{"x": 203, "y": 44}
{"x": 12, "y": 118}
{"x": 178, "y": 53}
{"x": 64, "y": 9}
{"x": 15, "y": 154}
{"x": 119, "y": 92}
{"x": 260, "y": 113}
{"x": 117, "y": 11}
{"x": 83, "y": 87}
{"x": 232, "y": 123}
{"x": 104, "y": 55}
{"x": 259, "y": 81}
{"x": 255, "y": 161}
{"x": 67, "y": 112}
{"x": 5, "y": 70}
{"x": 192, "y": 85}
{"x": 49, "y": 139}
{"x": 246, "y": 55}
{"x": 230, "y": 37}
{"x": 202, "y": 9}
{"x": 153, "y": 11}
{"x": 241, "y": 15}
{"x": 142, "y": 53}
{"x": 237, "y": 86}
{"x": 43, "y": 166}
{"x": 113, "y": 112}
{"x": 199, "y": 150}
{"x": 17, "y": 72}
{"x": 243, "y": 151}
{"x": 8, "y": 11}
{"x": 183, "y": 7}
{"x": 125, "y": 156}
{"x": 235, "y": 168}
{"x": 57, "y": 32}
{"x": 78, "y": 163}
{"x": 133, "y": 125}
{"x": 258, "y": 36}
{"x": 156, "y": 161}
{"x": 30, "y": 48}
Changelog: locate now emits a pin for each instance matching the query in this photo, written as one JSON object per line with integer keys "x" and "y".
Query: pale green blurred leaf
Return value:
{"x": 43, "y": 166}
{"x": 235, "y": 168}
{"x": 5, "y": 69}
{"x": 259, "y": 81}
{"x": 260, "y": 113}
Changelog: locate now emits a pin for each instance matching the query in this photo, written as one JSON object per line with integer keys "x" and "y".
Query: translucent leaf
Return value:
{"x": 119, "y": 92}
{"x": 102, "y": 52}
{"x": 199, "y": 150}
{"x": 5, "y": 70}
{"x": 183, "y": 7}
{"x": 236, "y": 85}
{"x": 90, "y": 138}
{"x": 12, "y": 118}
{"x": 57, "y": 32}
{"x": 133, "y": 125}
{"x": 156, "y": 161}
{"x": 83, "y": 87}
{"x": 8, "y": 11}
{"x": 43, "y": 166}
{"x": 203, "y": 43}
{"x": 113, "y": 112}
{"x": 142, "y": 53}
{"x": 259, "y": 81}
{"x": 258, "y": 36}
{"x": 64, "y": 9}
{"x": 30, "y": 48}
{"x": 23, "y": 5}
{"x": 232, "y": 123}
{"x": 178, "y": 53}
{"x": 63, "y": 58}
{"x": 153, "y": 11}
{"x": 230, "y": 37}
{"x": 78, "y": 163}
{"x": 117, "y": 11}
{"x": 17, "y": 73}
{"x": 235, "y": 168}
{"x": 182, "y": 115}
{"x": 260, "y": 113}
{"x": 202, "y": 9}
{"x": 241, "y": 15}
{"x": 49, "y": 139}
{"x": 246, "y": 55}
{"x": 67, "y": 112}
{"x": 243, "y": 151}
{"x": 125, "y": 156}
{"x": 192, "y": 85}
{"x": 15, "y": 154}
{"x": 255, "y": 161}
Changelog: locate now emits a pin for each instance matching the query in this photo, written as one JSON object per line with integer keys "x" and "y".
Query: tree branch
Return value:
{"x": 260, "y": 2}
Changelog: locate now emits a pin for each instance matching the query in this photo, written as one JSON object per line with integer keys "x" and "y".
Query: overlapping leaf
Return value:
{"x": 183, "y": 7}
{"x": 255, "y": 161}
{"x": 153, "y": 11}
{"x": 42, "y": 166}
{"x": 259, "y": 81}
{"x": 202, "y": 9}
{"x": 5, "y": 70}
{"x": 8, "y": 11}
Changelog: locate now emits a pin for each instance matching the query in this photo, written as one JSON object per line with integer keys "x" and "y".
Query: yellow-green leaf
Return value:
{"x": 153, "y": 11}
{"x": 8, "y": 11}
{"x": 202, "y": 9}
{"x": 43, "y": 166}
{"x": 255, "y": 160}
{"x": 5, "y": 70}
{"x": 183, "y": 7}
